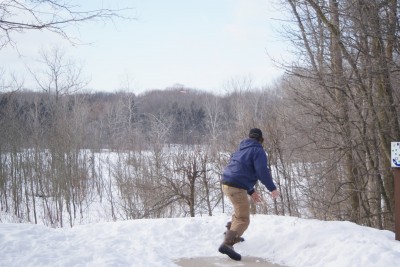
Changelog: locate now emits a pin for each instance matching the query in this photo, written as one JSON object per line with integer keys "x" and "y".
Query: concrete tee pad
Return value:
{"x": 224, "y": 261}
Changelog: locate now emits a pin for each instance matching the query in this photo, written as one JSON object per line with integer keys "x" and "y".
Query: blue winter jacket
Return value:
{"x": 247, "y": 165}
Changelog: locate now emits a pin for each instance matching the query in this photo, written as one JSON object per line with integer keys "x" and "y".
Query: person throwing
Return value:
{"x": 247, "y": 165}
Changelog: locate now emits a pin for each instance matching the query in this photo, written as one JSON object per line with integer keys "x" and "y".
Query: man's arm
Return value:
{"x": 262, "y": 170}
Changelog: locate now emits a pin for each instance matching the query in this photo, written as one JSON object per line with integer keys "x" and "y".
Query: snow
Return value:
{"x": 288, "y": 241}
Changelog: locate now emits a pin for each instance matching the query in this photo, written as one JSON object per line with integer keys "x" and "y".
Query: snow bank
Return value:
{"x": 288, "y": 241}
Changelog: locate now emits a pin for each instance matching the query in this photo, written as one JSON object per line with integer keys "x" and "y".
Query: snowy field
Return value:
{"x": 287, "y": 241}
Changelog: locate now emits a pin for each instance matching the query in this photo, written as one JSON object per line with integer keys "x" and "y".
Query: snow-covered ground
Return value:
{"x": 288, "y": 241}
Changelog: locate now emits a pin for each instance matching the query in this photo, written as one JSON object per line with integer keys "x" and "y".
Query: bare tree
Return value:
{"x": 51, "y": 15}
{"x": 348, "y": 58}
{"x": 213, "y": 108}
{"x": 61, "y": 75}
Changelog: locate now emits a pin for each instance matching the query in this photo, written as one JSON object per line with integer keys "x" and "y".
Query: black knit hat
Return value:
{"x": 255, "y": 133}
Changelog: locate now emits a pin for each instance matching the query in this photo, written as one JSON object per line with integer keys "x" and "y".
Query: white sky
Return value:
{"x": 200, "y": 44}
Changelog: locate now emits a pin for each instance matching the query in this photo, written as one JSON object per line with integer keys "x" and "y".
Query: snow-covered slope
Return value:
{"x": 286, "y": 240}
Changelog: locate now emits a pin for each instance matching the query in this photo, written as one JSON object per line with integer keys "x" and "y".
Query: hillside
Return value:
{"x": 288, "y": 241}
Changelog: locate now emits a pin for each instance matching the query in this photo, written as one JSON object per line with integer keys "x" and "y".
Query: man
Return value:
{"x": 247, "y": 165}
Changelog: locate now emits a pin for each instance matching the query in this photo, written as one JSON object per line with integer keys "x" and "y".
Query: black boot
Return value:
{"x": 227, "y": 246}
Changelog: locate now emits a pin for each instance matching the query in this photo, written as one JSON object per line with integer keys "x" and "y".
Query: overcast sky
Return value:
{"x": 200, "y": 44}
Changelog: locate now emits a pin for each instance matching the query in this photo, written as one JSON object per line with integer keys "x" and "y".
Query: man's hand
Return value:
{"x": 256, "y": 197}
{"x": 275, "y": 193}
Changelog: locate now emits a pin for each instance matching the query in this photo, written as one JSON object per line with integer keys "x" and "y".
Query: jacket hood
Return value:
{"x": 246, "y": 143}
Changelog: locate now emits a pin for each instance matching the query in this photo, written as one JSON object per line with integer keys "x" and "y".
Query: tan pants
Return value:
{"x": 241, "y": 208}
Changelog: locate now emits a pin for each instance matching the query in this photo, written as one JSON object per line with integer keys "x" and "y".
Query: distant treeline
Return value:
{"x": 118, "y": 120}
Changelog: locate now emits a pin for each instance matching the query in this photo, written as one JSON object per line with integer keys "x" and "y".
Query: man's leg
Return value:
{"x": 240, "y": 220}
{"x": 241, "y": 207}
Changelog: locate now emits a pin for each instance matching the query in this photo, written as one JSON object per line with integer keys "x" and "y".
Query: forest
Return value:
{"x": 328, "y": 124}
